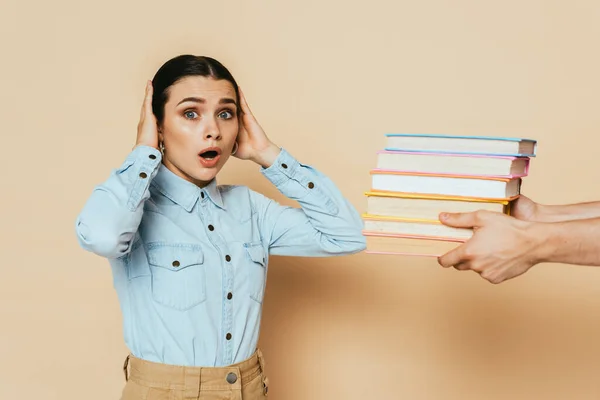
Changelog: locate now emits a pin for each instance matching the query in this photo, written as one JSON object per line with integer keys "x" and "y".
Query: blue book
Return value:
{"x": 453, "y": 144}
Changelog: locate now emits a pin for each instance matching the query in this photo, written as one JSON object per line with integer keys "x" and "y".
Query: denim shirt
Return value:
{"x": 190, "y": 264}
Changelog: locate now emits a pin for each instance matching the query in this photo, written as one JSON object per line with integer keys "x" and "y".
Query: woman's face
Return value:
{"x": 200, "y": 127}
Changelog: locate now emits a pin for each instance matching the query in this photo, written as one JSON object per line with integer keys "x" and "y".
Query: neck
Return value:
{"x": 173, "y": 168}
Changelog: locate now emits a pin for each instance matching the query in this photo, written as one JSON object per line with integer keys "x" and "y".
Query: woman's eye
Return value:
{"x": 190, "y": 114}
{"x": 226, "y": 114}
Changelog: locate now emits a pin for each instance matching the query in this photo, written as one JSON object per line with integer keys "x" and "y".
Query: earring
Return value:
{"x": 235, "y": 148}
{"x": 161, "y": 147}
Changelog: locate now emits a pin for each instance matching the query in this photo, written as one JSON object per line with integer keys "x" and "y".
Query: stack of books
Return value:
{"x": 419, "y": 176}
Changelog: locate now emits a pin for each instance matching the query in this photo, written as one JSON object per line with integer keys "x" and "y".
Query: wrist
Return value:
{"x": 545, "y": 240}
{"x": 551, "y": 214}
{"x": 141, "y": 143}
{"x": 540, "y": 213}
{"x": 267, "y": 157}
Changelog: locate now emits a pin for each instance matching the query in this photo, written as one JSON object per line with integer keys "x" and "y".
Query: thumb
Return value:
{"x": 460, "y": 220}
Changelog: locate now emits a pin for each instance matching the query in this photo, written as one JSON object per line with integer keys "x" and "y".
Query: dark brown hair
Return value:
{"x": 181, "y": 67}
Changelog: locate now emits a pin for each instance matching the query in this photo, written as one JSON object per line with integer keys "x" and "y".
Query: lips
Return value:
{"x": 209, "y": 157}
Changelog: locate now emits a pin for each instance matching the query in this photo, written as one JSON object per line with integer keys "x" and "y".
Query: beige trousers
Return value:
{"x": 153, "y": 381}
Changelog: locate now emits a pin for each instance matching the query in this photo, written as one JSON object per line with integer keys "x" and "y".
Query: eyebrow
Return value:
{"x": 225, "y": 100}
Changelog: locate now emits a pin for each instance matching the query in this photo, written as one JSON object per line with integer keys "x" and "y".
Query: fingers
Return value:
{"x": 147, "y": 126}
{"x": 461, "y": 266}
{"x": 148, "y": 98}
{"x": 461, "y": 220}
{"x": 147, "y": 103}
{"x": 243, "y": 103}
{"x": 453, "y": 257}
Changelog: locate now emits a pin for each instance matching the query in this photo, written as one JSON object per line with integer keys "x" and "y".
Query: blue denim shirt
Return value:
{"x": 190, "y": 264}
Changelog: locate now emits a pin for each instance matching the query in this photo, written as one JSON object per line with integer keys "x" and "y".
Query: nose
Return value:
{"x": 211, "y": 129}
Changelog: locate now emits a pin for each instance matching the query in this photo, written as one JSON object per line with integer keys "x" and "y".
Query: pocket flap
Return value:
{"x": 174, "y": 256}
{"x": 256, "y": 253}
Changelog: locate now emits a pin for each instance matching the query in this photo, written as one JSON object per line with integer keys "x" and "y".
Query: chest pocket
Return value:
{"x": 256, "y": 257}
{"x": 178, "y": 275}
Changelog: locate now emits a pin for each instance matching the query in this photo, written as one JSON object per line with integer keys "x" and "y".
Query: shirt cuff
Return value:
{"x": 140, "y": 167}
{"x": 301, "y": 182}
{"x": 144, "y": 155}
{"x": 283, "y": 168}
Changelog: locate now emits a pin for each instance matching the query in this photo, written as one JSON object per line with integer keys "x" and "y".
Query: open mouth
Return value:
{"x": 209, "y": 158}
{"x": 210, "y": 154}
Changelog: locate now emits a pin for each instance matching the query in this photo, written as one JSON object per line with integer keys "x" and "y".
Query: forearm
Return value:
{"x": 570, "y": 242}
{"x": 110, "y": 218}
{"x": 569, "y": 212}
{"x": 326, "y": 224}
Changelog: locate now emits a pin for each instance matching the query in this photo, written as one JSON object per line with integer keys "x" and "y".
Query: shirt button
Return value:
{"x": 229, "y": 296}
{"x": 176, "y": 263}
{"x": 231, "y": 378}
{"x": 143, "y": 175}
{"x": 284, "y": 165}
{"x": 152, "y": 157}
{"x": 202, "y": 194}
{"x": 227, "y": 258}
{"x": 228, "y": 337}
{"x": 311, "y": 185}
{"x": 211, "y": 228}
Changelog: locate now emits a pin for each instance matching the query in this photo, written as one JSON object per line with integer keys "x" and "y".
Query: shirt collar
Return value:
{"x": 183, "y": 192}
{"x": 214, "y": 194}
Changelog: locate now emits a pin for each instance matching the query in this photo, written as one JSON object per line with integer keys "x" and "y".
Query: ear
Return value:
{"x": 161, "y": 136}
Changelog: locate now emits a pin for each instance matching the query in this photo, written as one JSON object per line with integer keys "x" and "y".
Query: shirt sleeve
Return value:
{"x": 326, "y": 224}
{"x": 111, "y": 216}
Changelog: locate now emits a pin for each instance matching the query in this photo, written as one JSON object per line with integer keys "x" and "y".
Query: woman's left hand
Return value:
{"x": 253, "y": 143}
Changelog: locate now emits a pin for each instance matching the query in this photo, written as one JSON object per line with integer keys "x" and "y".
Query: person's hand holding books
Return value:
{"x": 502, "y": 247}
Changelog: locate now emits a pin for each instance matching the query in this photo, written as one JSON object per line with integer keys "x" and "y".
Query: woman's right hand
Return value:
{"x": 147, "y": 132}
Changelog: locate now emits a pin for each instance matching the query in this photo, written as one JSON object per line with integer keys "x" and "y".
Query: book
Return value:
{"x": 408, "y": 245}
{"x": 448, "y": 185}
{"x": 429, "y": 207}
{"x": 413, "y": 227}
{"x": 483, "y": 145}
{"x": 419, "y": 176}
{"x": 449, "y": 163}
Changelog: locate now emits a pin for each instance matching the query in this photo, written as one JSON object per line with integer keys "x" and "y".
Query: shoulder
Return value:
{"x": 229, "y": 190}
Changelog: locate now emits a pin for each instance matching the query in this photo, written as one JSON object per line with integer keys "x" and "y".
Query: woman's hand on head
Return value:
{"x": 253, "y": 143}
{"x": 147, "y": 131}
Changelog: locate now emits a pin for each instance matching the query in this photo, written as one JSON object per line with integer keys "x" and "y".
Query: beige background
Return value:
{"x": 319, "y": 75}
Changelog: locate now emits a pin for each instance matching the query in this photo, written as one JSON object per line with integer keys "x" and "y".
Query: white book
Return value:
{"x": 464, "y": 186}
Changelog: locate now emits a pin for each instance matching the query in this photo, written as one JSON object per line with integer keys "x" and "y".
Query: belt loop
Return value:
{"x": 265, "y": 379}
{"x": 192, "y": 382}
{"x": 125, "y": 364}
{"x": 261, "y": 360}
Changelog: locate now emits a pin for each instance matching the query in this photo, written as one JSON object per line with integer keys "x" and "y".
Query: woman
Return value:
{"x": 189, "y": 257}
